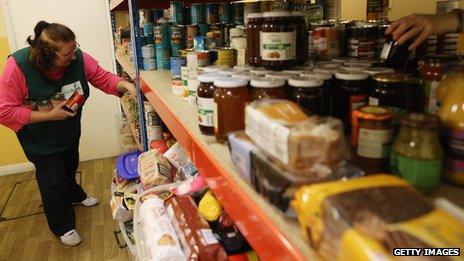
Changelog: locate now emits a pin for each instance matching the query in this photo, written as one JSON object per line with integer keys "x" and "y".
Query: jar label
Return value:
{"x": 361, "y": 48}
{"x": 278, "y": 46}
{"x": 430, "y": 88}
{"x": 374, "y": 144}
{"x": 206, "y": 112}
{"x": 373, "y": 101}
{"x": 419, "y": 173}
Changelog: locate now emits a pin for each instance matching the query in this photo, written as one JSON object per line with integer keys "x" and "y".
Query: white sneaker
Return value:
{"x": 88, "y": 202}
{"x": 71, "y": 238}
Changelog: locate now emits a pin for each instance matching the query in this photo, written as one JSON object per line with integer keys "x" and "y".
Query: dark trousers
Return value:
{"x": 56, "y": 177}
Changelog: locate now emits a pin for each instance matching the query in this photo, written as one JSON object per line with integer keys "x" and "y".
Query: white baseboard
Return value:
{"x": 16, "y": 168}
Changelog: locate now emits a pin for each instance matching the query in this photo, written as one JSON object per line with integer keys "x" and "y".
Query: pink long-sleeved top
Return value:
{"x": 14, "y": 91}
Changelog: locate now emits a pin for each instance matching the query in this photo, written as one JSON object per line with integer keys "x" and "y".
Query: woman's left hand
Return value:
{"x": 124, "y": 86}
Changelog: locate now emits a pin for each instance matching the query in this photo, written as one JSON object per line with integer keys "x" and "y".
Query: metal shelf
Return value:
{"x": 126, "y": 64}
{"x": 270, "y": 233}
{"x": 130, "y": 119}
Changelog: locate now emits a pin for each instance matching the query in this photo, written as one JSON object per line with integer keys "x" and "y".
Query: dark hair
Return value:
{"x": 44, "y": 44}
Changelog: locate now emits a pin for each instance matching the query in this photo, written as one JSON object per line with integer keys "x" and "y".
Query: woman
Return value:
{"x": 53, "y": 63}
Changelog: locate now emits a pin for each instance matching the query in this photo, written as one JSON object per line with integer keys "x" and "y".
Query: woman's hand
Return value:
{"x": 124, "y": 86}
{"x": 58, "y": 113}
{"x": 420, "y": 27}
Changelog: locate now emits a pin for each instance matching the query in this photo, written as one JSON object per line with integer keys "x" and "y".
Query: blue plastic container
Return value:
{"x": 127, "y": 165}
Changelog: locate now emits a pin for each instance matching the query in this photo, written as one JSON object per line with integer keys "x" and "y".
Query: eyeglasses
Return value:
{"x": 70, "y": 53}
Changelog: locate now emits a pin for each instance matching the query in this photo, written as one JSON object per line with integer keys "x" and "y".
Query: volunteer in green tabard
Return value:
{"x": 50, "y": 139}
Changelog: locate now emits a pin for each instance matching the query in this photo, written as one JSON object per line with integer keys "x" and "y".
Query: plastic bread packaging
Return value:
{"x": 153, "y": 169}
{"x": 195, "y": 234}
{"x": 307, "y": 145}
{"x": 241, "y": 147}
{"x": 366, "y": 218}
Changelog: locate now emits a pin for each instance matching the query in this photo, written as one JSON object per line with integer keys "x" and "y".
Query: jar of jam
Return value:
{"x": 267, "y": 88}
{"x": 230, "y": 99}
{"x": 349, "y": 93}
{"x": 205, "y": 102}
{"x": 308, "y": 93}
{"x": 301, "y": 37}
{"x": 388, "y": 89}
{"x": 417, "y": 154}
{"x": 326, "y": 100}
{"x": 278, "y": 40}
{"x": 44, "y": 106}
{"x": 371, "y": 138}
{"x": 362, "y": 41}
{"x": 253, "y": 29}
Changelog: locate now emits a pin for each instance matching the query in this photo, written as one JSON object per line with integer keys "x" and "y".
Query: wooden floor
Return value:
{"x": 24, "y": 233}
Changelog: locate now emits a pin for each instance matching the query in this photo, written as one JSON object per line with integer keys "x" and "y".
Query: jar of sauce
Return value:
{"x": 262, "y": 88}
{"x": 205, "y": 102}
{"x": 278, "y": 31}
{"x": 253, "y": 29}
{"x": 362, "y": 40}
{"x": 230, "y": 99}
{"x": 371, "y": 138}
{"x": 388, "y": 89}
{"x": 308, "y": 93}
{"x": 349, "y": 93}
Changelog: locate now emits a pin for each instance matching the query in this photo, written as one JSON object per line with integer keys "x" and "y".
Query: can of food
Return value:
{"x": 192, "y": 32}
{"x": 178, "y": 87}
{"x": 155, "y": 133}
{"x": 326, "y": 42}
{"x": 57, "y": 99}
{"x": 223, "y": 56}
{"x": 212, "y": 13}
{"x": 197, "y": 59}
{"x": 148, "y": 51}
{"x": 153, "y": 118}
{"x": 176, "y": 63}
{"x": 203, "y": 29}
{"x": 156, "y": 14}
{"x": 162, "y": 36}
{"x": 362, "y": 40}
{"x": 144, "y": 15}
{"x": 73, "y": 103}
{"x": 217, "y": 31}
{"x": 197, "y": 13}
{"x": 238, "y": 13}
{"x": 225, "y": 13}
{"x": 162, "y": 59}
{"x": 148, "y": 28}
{"x": 177, "y": 12}
{"x": 177, "y": 39}
{"x": 149, "y": 64}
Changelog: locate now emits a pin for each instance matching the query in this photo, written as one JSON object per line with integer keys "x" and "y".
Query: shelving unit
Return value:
{"x": 126, "y": 64}
{"x": 130, "y": 119}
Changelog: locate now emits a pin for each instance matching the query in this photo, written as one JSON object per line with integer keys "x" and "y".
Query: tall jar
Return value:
{"x": 205, "y": 102}
{"x": 451, "y": 113}
{"x": 262, "y": 88}
{"x": 253, "y": 29}
{"x": 278, "y": 40}
{"x": 417, "y": 154}
{"x": 308, "y": 93}
{"x": 230, "y": 99}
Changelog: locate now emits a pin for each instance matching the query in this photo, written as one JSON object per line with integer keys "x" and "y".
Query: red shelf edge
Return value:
{"x": 269, "y": 243}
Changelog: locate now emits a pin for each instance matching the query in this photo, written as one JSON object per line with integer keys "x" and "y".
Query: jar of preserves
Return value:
{"x": 326, "y": 100}
{"x": 362, "y": 41}
{"x": 349, "y": 93}
{"x": 267, "y": 88}
{"x": 371, "y": 138}
{"x": 388, "y": 89}
{"x": 431, "y": 74}
{"x": 230, "y": 99}
{"x": 417, "y": 154}
{"x": 253, "y": 29}
{"x": 205, "y": 102}
{"x": 308, "y": 93}
{"x": 301, "y": 31}
{"x": 278, "y": 40}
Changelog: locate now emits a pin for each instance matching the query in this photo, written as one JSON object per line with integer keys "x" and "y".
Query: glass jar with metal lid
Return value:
{"x": 279, "y": 75}
{"x": 260, "y": 71}
{"x": 242, "y": 68}
{"x": 247, "y": 76}
{"x": 205, "y": 102}
{"x": 353, "y": 68}
{"x": 212, "y": 68}
{"x": 226, "y": 72}
{"x": 253, "y": 29}
{"x": 328, "y": 65}
{"x": 230, "y": 98}
{"x": 294, "y": 71}
{"x": 371, "y": 138}
{"x": 362, "y": 40}
{"x": 417, "y": 154}
{"x": 388, "y": 89}
{"x": 349, "y": 93}
{"x": 308, "y": 93}
{"x": 267, "y": 88}
{"x": 327, "y": 78}
{"x": 375, "y": 70}
{"x": 277, "y": 31}
{"x": 301, "y": 37}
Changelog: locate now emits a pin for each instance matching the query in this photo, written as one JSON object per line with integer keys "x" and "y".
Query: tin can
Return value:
{"x": 216, "y": 31}
{"x": 192, "y": 32}
{"x": 162, "y": 59}
{"x": 149, "y": 64}
{"x": 197, "y": 59}
{"x": 153, "y": 118}
{"x": 223, "y": 56}
{"x": 238, "y": 13}
{"x": 225, "y": 13}
{"x": 212, "y": 14}
{"x": 162, "y": 36}
{"x": 57, "y": 99}
{"x": 177, "y": 12}
{"x": 155, "y": 133}
{"x": 176, "y": 63}
{"x": 203, "y": 29}
{"x": 74, "y": 102}
{"x": 144, "y": 15}
{"x": 156, "y": 14}
{"x": 148, "y": 51}
{"x": 148, "y": 28}
{"x": 326, "y": 42}
{"x": 177, "y": 39}
{"x": 159, "y": 145}
{"x": 197, "y": 13}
